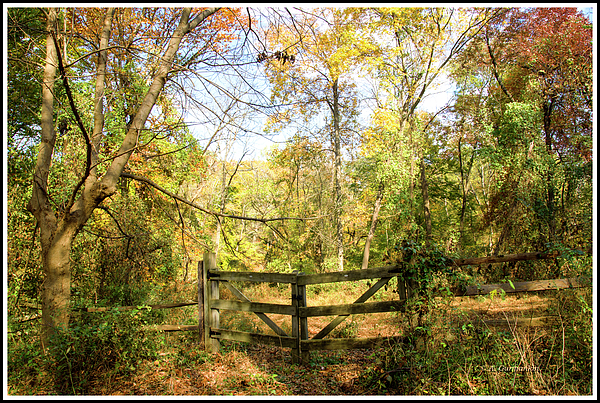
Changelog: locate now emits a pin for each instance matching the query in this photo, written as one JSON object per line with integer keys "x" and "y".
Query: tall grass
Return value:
{"x": 455, "y": 353}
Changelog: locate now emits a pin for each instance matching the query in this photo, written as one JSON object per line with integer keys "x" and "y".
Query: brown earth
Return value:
{"x": 240, "y": 369}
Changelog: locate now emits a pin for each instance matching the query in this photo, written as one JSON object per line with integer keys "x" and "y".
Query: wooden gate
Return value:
{"x": 210, "y": 279}
{"x": 209, "y": 304}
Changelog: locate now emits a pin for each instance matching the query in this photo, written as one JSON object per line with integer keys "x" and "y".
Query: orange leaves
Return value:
{"x": 220, "y": 30}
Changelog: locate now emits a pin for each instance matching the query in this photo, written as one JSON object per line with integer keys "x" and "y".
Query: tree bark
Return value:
{"x": 99, "y": 95}
{"x": 217, "y": 236}
{"x": 465, "y": 184}
{"x": 39, "y": 204}
{"x": 337, "y": 173}
{"x": 426, "y": 210}
{"x": 365, "y": 262}
{"x": 547, "y": 109}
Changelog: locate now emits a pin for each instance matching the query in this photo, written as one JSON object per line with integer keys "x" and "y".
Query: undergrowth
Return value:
{"x": 453, "y": 354}
{"x": 450, "y": 351}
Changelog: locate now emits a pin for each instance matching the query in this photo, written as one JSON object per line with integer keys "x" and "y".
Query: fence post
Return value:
{"x": 211, "y": 291}
{"x": 405, "y": 288}
{"x": 296, "y": 359}
{"x": 402, "y": 292}
{"x": 299, "y": 325}
{"x": 201, "y": 305}
{"x": 304, "y": 355}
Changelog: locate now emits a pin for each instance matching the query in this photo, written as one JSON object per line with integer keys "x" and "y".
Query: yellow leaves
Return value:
{"x": 332, "y": 48}
{"x": 386, "y": 119}
{"x": 277, "y": 120}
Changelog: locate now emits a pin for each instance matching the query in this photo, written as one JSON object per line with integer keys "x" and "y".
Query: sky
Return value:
{"x": 256, "y": 146}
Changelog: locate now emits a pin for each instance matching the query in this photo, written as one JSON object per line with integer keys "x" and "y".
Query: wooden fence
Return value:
{"x": 209, "y": 302}
{"x": 210, "y": 279}
{"x": 298, "y": 341}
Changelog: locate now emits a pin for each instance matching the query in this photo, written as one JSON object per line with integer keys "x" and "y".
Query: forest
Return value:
{"x": 296, "y": 139}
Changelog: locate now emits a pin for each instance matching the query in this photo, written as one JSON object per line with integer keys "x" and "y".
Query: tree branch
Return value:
{"x": 88, "y": 157}
{"x": 213, "y": 213}
{"x": 495, "y": 67}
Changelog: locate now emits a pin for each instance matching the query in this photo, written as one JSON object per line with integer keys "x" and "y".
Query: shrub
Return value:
{"x": 110, "y": 342}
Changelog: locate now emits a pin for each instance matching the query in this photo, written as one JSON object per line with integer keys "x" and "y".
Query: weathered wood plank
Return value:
{"x": 296, "y": 359}
{"x": 350, "y": 309}
{"x": 174, "y": 328}
{"x": 506, "y": 258}
{"x": 347, "y": 344}
{"x": 513, "y": 257}
{"x": 521, "y": 322}
{"x": 262, "y": 316}
{"x": 255, "y": 338}
{"x": 352, "y": 275}
{"x": 252, "y": 306}
{"x": 286, "y": 278}
{"x": 366, "y": 295}
{"x": 303, "y": 323}
{"x": 202, "y": 308}
{"x": 525, "y": 286}
{"x": 211, "y": 294}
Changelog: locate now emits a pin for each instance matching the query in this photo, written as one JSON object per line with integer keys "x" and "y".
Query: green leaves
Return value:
{"x": 519, "y": 126}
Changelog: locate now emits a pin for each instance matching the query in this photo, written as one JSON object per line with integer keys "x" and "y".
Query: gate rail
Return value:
{"x": 209, "y": 318}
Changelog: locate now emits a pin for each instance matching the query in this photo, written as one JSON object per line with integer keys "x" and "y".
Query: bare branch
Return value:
{"x": 495, "y": 67}
{"x": 213, "y": 213}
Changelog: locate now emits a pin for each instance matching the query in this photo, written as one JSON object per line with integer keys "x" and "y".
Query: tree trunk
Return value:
{"x": 39, "y": 205}
{"x": 411, "y": 169}
{"x": 99, "y": 94}
{"x": 547, "y": 109}
{"x": 56, "y": 289}
{"x": 465, "y": 184}
{"x": 337, "y": 174}
{"x": 426, "y": 211}
{"x": 59, "y": 230}
{"x": 217, "y": 236}
{"x": 365, "y": 262}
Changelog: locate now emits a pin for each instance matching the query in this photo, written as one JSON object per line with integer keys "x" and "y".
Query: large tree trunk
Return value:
{"x": 56, "y": 289}
{"x": 39, "y": 204}
{"x": 58, "y": 229}
{"x": 337, "y": 173}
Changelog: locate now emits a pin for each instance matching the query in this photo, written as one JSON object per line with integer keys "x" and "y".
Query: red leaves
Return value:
{"x": 553, "y": 48}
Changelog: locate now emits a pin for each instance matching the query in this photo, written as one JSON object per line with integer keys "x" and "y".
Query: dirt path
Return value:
{"x": 253, "y": 370}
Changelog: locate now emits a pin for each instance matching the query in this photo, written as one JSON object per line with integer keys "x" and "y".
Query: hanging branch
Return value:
{"x": 86, "y": 136}
{"x": 495, "y": 67}
{"x": 215, "y": 214}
